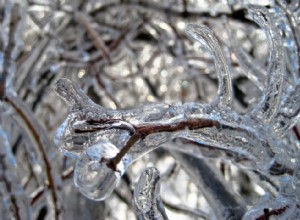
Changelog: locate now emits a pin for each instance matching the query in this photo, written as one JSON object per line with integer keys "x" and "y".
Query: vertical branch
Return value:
{"x": 289, "y": 114}
{"x": 147, "y": 201}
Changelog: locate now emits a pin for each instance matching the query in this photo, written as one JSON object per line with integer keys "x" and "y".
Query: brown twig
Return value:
{"x": 274, "y": 212}
{"x": 82, "y": 19}
{"x": 143, "y": 130}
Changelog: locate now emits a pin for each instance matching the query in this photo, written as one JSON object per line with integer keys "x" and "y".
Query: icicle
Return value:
{"x": 147, "y": 201}
{"x": 206, "y": 37}
{"x": 269, "y": 104}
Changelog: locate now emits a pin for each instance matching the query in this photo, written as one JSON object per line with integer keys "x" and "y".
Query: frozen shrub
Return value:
{"x": 207, "y": 93}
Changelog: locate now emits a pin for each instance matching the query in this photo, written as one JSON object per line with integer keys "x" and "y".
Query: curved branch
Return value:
{"x": 147, "y": 201}
{"x": 205, "y": 36}
{"x": 269, "y": 104}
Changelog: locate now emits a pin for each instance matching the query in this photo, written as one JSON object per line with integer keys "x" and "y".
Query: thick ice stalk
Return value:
{"x": 268, "y": 106}
{"x": 72, "y": 95}
{"x": 206, "y": 37}
{"x": 147, "y": 201}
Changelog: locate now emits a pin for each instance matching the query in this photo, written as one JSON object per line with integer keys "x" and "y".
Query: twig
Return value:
{"x": 274, "y": 212}
{"x": 98, "y": 42}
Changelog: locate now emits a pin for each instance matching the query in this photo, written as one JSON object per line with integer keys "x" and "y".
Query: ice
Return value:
{"x": 107, "y": 141}
{"x": 147, "y": 201}
{"x": 269, "y": 104}
{"x": 205, "y": 36}
{"x": 133, "y": 133}
{"x": 133, "y": 81}
{"x": 92, "y": 175}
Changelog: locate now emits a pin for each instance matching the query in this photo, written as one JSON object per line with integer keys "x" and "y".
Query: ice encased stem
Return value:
{"x": 269, "y": 104}
{"x": 146, "y": 197}
{"x": 205, "y": 36}
{"x": 89, "y": 127}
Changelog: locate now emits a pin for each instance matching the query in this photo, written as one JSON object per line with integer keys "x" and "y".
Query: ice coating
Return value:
{"x": 147, "y": 201}
{"x": 205, "y": 36}
{"x": 272, "y": 93}
{"x": 91, "y": 131}
{"x": 134, "y": 133}
{"x": 92, "y": 175}
{"x": 71, "y": 94}
{"x": 279, "y": 208}
{"x": 150, "y": 59}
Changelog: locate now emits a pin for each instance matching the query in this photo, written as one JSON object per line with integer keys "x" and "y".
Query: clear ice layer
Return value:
{"x": 105, "y": 142}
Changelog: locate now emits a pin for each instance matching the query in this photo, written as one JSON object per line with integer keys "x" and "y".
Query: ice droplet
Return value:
{"x": 92, "y": 175}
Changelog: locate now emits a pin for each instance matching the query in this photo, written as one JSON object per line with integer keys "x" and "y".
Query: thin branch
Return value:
{"x": 82, "y": 19}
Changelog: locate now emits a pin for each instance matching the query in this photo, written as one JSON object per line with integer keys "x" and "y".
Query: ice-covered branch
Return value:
{"x": 147, "y": 202}
{"x": 206, "y": 37}
{"x": 269, "y": 104}
{"x": 106, "y": 141}
{"x": 129, "y": 134}
{"x": 289, "y": 112}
